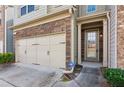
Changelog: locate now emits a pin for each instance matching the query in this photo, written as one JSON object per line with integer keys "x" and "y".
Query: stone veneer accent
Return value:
{"x": 62, "y": 25}
{"x": 120, "y": 36}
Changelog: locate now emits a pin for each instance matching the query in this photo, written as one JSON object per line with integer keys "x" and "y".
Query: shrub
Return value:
{"x": 1, "y": 58}
{"x": 6, "y": 57}
{"x": 114, "y": 76}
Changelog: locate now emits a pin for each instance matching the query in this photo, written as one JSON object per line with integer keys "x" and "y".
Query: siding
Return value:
{"x": 28, "y": 17}
{"x": 112, "y": 41}
{"x": 82, "y": 10}
{"x": 42, "y": 11}
{"x": 55, "y": 8}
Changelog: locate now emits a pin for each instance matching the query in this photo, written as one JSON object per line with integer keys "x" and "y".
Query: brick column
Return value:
{"x": 120, "y": 36}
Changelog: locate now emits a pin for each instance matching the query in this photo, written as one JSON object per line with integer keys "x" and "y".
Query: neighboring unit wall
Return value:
{"x": 1, "y": 31}
{"x": 9, "y": 36}
{"x": 1, "y": 39}
{"x": 120, "y": 36}
{"x": 9, "y": 33}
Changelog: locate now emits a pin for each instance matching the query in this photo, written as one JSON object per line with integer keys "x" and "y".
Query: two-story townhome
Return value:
{"x": 53, "y": 35}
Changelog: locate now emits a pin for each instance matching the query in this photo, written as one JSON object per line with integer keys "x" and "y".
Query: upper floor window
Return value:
{"x": 26, "y": 9}
{"x": 23, "y": 10}
{"x": 91, "y": 8}
{"x": 30, "y": 8}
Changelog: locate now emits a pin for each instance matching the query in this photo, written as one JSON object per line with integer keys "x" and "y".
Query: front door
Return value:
{"x": 91, "y": 45}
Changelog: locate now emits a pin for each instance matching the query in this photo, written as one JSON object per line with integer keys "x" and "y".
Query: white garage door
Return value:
{"x": 46, "y": 50}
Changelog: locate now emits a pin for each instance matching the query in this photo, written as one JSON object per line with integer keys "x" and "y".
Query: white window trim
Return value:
{"x": 30, "y": 11}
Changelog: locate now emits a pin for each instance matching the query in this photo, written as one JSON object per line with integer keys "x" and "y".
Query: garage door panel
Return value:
{"x": 22, "y": 55}
{"x": 31, "y": 54}
{"x": 57, "y": 57}
{"x": 57, "y": 39}
{"x": 31, "y": 41}
{"x": 20, "y": 50}
{"x": 43, "y": 55}
{"x": 43, "y": 40}
{"x": 22, "y": 42}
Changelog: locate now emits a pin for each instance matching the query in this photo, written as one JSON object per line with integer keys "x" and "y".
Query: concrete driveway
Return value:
{"x": 28, "y": 75}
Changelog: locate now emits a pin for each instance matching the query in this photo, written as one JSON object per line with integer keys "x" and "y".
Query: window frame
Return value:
{"x": 31, "y": 10}
{"x": 21, "y": 10}
{"x": 91, "y": 11}
{"x": 27, "y": 12}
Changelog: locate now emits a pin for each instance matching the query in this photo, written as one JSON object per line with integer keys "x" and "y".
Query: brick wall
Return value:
{"x": 63, "y": 25}
{"x": 120, "y": 36}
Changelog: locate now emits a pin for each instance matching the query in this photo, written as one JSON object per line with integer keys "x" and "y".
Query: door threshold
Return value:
{"x": 92, "y": 64}
{"x": 35, "y": 64}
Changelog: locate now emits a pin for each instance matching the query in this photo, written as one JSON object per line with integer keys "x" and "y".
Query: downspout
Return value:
{"x": 109, "y": 58}
{"x": 116, "y": 24}
{"x": 73, "y": 33}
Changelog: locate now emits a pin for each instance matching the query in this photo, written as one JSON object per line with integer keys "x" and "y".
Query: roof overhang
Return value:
{"x": 98, "y": 16}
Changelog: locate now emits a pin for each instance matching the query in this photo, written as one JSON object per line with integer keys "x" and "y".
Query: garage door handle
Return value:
{"x": 35, "y": 44}
{"x": 25, "y": 51}
{"x": 62, "y": 43}
{"x": 48, "y": 52}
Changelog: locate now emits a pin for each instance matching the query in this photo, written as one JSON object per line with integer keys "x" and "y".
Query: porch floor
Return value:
{"x": 92, "y": 64}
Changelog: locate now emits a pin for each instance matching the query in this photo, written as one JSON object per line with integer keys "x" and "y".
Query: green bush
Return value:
{"x": 6, "y": 58}
{"x": 114, "y": 76}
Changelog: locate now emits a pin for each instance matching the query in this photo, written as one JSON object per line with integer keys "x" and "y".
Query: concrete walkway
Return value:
{"x": 89, "y": 77}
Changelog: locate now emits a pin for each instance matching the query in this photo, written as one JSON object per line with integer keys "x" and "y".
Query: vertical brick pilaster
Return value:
{"x": 120, "y": 36}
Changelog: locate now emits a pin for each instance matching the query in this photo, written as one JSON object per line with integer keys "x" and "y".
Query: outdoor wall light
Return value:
{"x": 101, "y": 35}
